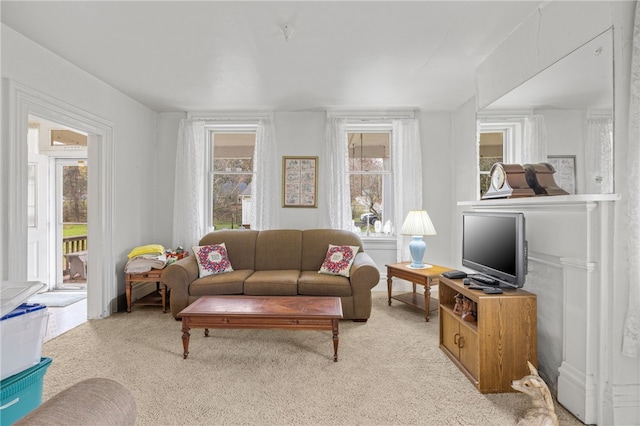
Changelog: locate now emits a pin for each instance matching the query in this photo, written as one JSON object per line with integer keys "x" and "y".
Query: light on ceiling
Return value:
{"x": 287, "y": 31}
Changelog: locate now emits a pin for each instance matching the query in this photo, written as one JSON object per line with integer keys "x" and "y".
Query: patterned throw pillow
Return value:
{"x": 338, "y": 260}
{"x": 212, "y": 259}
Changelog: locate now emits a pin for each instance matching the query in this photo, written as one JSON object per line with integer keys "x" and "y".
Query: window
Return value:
{"x": 491, "y": 151}
{"x": 231, "y": 168}
{"x": 499, "y": 142}
{"x": 370, "y": 177}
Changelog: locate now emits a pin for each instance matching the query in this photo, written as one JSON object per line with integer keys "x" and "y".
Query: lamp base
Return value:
{"x": 417, "y": 247}
{"x": 423, "y": 266}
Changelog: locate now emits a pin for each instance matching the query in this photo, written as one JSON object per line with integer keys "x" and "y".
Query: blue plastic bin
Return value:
{"x": 22, "y": 333}
{"x": 22, "y": 393}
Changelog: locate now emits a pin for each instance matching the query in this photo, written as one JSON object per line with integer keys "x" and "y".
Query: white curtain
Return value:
{"x": 266, "y": 207}
{"x": 534, "y": 143}
{"x": 406, "y": 161}
{"x": 188, "y": 205}
{"x": 599, "y": 156}
{"x": 334, "y": 168}
{"x": 631, "y": 331}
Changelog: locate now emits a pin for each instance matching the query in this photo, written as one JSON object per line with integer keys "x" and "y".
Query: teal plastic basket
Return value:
{"x": 22, "y": 392}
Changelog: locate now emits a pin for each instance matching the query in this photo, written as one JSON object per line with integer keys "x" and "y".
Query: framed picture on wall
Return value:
{"x": 299, "y": 181}
{"x": 565, "y": 175}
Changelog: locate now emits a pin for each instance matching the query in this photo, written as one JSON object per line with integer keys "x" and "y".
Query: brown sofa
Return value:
{"x": 277, "y": 262}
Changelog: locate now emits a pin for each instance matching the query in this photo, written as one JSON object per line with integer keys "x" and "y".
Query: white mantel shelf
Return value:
{"x": 541, "y": 201}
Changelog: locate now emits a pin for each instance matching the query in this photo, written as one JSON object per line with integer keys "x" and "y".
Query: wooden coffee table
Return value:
{"x": 290, "y": 312}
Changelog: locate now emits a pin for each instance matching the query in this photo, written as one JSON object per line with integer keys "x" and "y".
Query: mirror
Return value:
{"x": 564, "y": 116}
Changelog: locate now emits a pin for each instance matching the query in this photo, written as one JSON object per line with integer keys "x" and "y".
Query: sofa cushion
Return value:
{"x": 338, "y": 260}
{"x": 311, "y": 283}
{"x": 229, "y": 283}
{"x": 279, "y": 250}
{"x": 272, "y": 283}
{"x": 212, "y": 259}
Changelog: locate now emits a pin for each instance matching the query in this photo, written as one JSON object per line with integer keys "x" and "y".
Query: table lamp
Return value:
{"x": 417, "y": 224}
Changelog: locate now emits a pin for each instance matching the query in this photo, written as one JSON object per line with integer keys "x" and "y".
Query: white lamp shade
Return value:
{"x": 418, "y": 222}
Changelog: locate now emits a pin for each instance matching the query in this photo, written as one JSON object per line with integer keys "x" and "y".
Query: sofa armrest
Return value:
{"x": 364, "y": 274}
{"x": 178, "y": 276}
{"x": 96, "y": 401}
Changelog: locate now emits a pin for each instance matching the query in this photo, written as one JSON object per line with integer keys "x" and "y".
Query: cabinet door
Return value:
{"x": 468, "y": 343}
{"x": 450, "y": 335}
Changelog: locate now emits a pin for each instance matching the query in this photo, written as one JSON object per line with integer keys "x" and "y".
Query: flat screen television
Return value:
{"x": 494, "y": 244}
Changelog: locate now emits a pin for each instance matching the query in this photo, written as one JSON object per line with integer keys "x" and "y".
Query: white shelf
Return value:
{"x": 541, "y": 201}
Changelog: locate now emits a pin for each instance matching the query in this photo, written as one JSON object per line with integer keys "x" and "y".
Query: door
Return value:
{"x": 37, "y": 219}
{"x": 71, "y": 183}
{"x": 449, "y": 334}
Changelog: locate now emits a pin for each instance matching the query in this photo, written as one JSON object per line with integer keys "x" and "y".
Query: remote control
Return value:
{"x": 488, "y": 290}
{"x": 454, "y": 275}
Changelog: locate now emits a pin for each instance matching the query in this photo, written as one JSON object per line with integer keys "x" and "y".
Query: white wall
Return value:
{"x": 464, "y": 172}
{"x": 302, "y": 133}
{"x": 33, "y": 66}
{"x": 437, "y": 181}
{"x": 165, "y": 173}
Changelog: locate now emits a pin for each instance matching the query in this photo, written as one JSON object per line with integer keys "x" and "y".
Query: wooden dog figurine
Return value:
{"x": 543, "y": 412}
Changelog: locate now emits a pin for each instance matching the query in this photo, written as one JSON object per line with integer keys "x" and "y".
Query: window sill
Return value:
{"x": 379, "y": 242}
{"x": 377, "y": 237}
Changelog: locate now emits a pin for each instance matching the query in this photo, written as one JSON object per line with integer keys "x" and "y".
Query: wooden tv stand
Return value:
{"x": 493, "y": 350}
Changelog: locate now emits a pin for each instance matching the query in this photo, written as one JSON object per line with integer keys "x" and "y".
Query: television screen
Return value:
{"x": 494, "y": 245}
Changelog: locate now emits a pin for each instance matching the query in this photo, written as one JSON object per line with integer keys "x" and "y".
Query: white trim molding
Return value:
{"x": 22, "y": 102}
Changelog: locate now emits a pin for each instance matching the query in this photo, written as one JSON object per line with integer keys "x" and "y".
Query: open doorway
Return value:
{"x": 23, "y": 102}
{"x": 57, "y": 205}
{"x": 57, "y": 219}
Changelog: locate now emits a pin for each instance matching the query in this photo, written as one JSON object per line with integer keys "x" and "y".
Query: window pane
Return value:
{"x": 31, "y": 195}
{"x": 366, "y": 197}
{"x": 368, "y": 151}
{"x": 231, "y": 200}
{"x": 233, "y": 165}
{"x": 491, "y": 149}
{"x": 233, "y": 152}
{"x": 74, "y": 193}
{"x": 484, "y": 183}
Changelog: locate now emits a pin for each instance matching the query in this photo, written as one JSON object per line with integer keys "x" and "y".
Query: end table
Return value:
{"x": 154, "y": 275}
{"x": 424, "y": 277}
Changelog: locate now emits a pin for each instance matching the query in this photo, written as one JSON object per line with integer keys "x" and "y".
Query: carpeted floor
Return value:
{"x": 57, "y": 298}
{"x": 390, "y": 372}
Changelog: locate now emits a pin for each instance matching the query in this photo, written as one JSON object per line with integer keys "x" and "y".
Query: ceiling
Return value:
{"x": 211, "y": 55}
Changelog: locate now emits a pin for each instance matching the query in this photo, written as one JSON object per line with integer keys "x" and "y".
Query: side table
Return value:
{"x": 154, "y": 275}
{"x": 424, "y": 277}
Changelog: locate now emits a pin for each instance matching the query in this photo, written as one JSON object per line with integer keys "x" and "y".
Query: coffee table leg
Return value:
{"x": 389, "y": 286}
{"x": 185, "y": 338}
{"x": 334, "y": 323}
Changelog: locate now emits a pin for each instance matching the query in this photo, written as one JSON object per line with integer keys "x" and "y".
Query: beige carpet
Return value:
{"x": 390, "y": 372}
